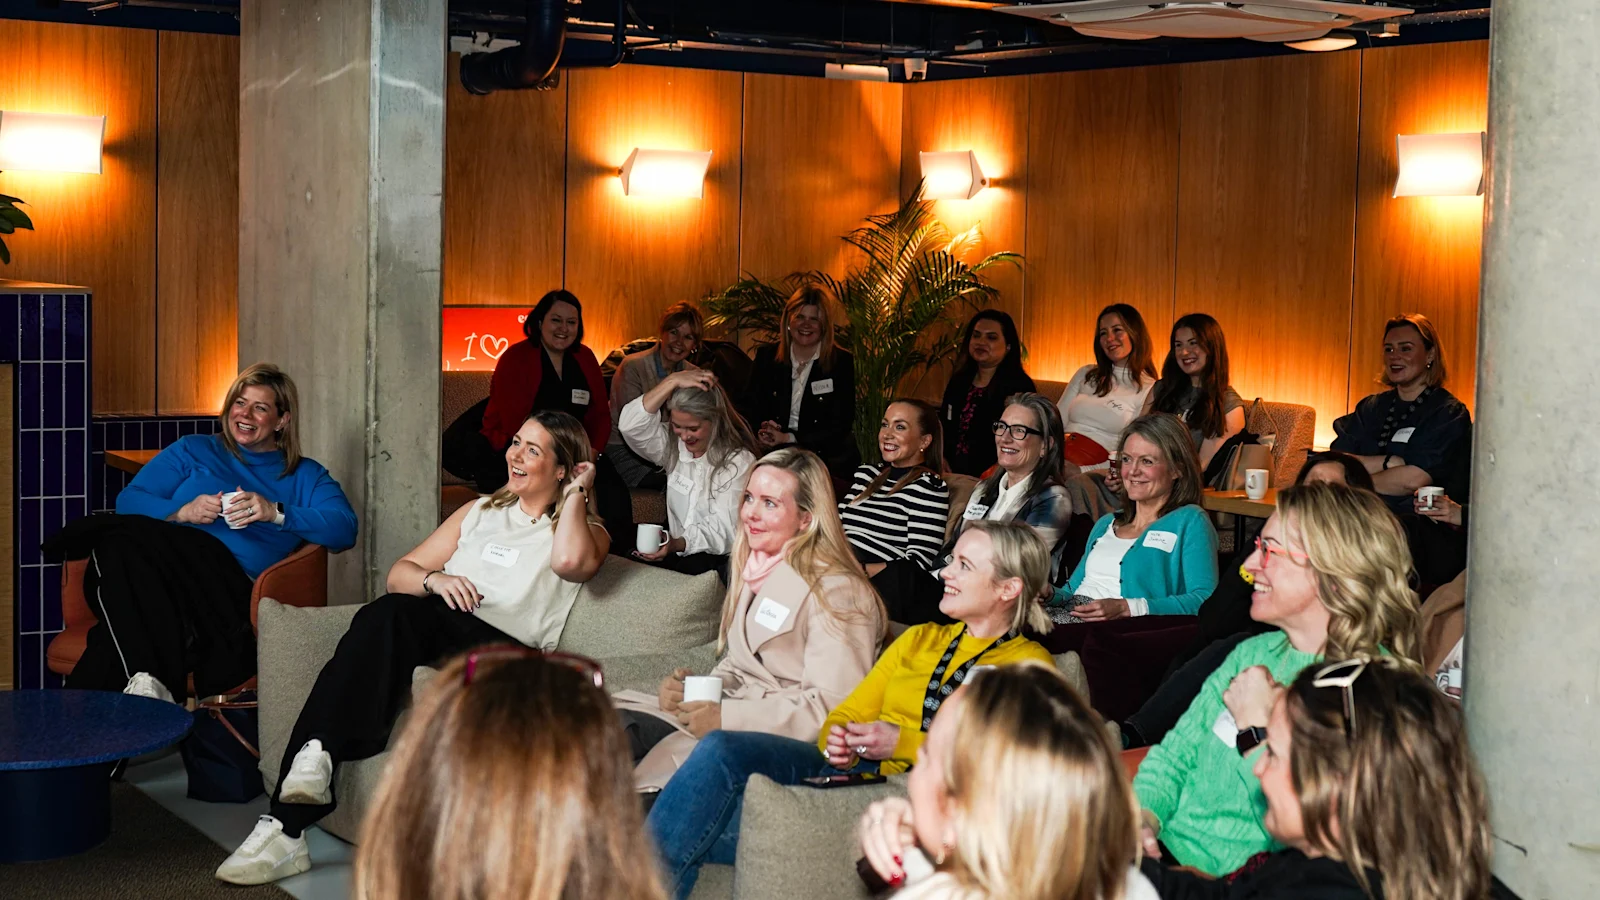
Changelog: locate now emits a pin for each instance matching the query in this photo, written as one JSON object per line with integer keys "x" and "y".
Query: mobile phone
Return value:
{"x": 834, "y": 781}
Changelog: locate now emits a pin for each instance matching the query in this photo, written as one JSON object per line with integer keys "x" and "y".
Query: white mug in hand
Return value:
{"x": 1430, "y": 497}
{"x": 702, "y": 687}
{"x": 227, "y": 501}
{"x": 1255, "y": 483}
{"x": 650, "y": 538}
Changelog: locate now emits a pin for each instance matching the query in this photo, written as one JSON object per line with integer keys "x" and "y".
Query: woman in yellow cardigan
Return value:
{"x": 993, "y": 586}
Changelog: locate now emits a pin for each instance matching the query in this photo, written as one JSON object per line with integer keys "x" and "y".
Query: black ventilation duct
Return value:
{"x": 533, "y": 63}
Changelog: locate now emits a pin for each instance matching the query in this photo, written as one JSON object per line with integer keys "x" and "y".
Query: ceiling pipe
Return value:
{"x": 533, "y": 63}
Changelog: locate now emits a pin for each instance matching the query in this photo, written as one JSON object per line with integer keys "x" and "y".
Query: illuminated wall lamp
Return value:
{"x": 1440, "y": 165}
{"x": 47, "y": 142}
{"x": 951, "y": 175}
{"x": 665, "y": 173}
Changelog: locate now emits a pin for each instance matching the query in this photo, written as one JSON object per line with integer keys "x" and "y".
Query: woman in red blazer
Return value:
{"x": 551, "y": 371}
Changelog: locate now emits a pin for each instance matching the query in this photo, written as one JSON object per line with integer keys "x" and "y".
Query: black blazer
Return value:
{"x": 980, "y": 453}
{"x": 827, "y": 408}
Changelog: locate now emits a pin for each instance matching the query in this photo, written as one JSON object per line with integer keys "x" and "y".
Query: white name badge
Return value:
{"x": 950, "y": 411}
{"x": 682, "y": 483}
{"x": 976, "y": 511}
{"x": 771, "y": 614}
{"x": 1226, "y": 729}
{"x": 580, "y": 397}
{"x": 501, "y": 555}
{"x": 1161, "y": 540}
{"x": 822, "y": 386}
{"x": 1402, "y": 436}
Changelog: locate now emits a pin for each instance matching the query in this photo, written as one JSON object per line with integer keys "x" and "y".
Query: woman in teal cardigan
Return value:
{"x": 1158, "y": 554}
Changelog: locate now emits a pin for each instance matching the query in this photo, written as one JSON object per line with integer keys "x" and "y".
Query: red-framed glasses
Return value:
{"x": 500, "y": 652}
{"x": 1267, "y": 550}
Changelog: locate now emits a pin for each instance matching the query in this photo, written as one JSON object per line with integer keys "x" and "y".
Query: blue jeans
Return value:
{"x": 695, "y": 820}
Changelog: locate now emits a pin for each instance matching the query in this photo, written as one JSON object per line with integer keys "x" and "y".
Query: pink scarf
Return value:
{"x": 757, "y": 566}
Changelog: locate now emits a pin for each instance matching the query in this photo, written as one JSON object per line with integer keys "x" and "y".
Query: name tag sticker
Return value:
{"x": 1402, "y": 436}
{"x": 770, "y": 614}
{"x": 501, "y": 555}
{"x": 682, "y": 483}
{"x": 950, "y": 411}
{"x": 1226, "y": 729}
{"x": 1161, "y": 540}
{"x": 580, "y": 397}
{"x": 976, "y": 511}
{"x": 822, "y": 386}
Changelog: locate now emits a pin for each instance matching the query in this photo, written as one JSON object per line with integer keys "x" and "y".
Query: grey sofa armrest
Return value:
{"x": 643, "y": 672}
{"x": 798, "y": 841}
{"x": 292, "y": 646}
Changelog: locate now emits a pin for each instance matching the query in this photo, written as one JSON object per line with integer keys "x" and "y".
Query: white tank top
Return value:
{"x": 507, "y": 557}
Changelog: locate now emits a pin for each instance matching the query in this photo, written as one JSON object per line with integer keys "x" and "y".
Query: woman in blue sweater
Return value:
{"x": 1158, "y": 554}
{"x": 247, "y": 488}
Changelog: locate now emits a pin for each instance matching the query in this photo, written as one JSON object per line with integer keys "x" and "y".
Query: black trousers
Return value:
{"x": 910, "y": 595}
{"x": 367, "y": 684}
{"x": 1167, "y": 705}
{"x": 694, "y": 564}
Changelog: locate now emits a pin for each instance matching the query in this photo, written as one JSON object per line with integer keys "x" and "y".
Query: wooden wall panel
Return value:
{"x": 504, "y": 194}
{"x": 628, "y": 257}
{"x": 988, "y": 116}
{"x": 1417, "y": 254}
{"x": 197, "y": 244}
{"x": 819, "y": 156}
{"x": 1266, "y": 213}
{"x": 93, "y": 230}
{"x": 1102, "y": 188}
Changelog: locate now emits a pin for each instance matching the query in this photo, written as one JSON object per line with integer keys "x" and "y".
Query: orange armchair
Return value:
{"x": 299, "y": 579}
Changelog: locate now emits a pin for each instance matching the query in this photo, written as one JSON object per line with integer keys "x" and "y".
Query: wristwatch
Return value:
{"x": 278, "y": 519}
{"x": 1248, "y": 738}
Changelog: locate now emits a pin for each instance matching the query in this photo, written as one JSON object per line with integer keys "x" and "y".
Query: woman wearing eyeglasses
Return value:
{"x": 1329, "y": 573}
{"x": 1025, "y": 487}
{"x": 526, "y": 750}
{"x": 504, "y": 569}
{"x": 1368, "y": 781}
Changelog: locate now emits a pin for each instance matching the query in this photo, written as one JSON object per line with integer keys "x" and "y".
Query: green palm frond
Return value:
{"x": 11, "y": 218}
{"x": 902, "y": 303}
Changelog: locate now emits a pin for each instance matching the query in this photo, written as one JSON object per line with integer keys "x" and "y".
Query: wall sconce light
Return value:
{"x": 665, "y": 173}
{"x": 1440, "y": 165}
{"x": 854, "y": 72}
{"x": 47, "y": 142}
{"x": 951, "y": 175}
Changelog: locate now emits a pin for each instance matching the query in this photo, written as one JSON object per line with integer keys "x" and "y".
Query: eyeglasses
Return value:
{"x": 1018, "y": 432}
{"x": 501, "y": 652}
{"x": 1343, "y": 675}
{"x": 1267, "y": 550}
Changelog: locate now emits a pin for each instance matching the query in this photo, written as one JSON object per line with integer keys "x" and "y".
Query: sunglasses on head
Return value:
{"x": 501, "y": 652}
{"x": 1343, "y": 675}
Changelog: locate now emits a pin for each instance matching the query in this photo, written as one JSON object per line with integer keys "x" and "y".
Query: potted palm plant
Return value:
{"x": 11, "y": 218}
{"x": 901, "y": 303}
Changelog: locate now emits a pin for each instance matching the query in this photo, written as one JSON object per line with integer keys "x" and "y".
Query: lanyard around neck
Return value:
{"x": 939, "y": 689}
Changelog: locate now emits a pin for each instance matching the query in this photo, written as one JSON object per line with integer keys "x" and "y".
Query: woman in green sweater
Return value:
{"x": 1330, "y": 573}
{"x": 1157, "y": 555}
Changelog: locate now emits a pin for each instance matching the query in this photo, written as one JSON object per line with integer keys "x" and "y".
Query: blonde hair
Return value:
{"x": 730, "y": 434}
{"x": 1362, "y": 784}
{"x": 285, "y": 397}
{"x": 1436, "y": 373}
{"x": 1171, "y": 438}
{"x": 569, "y": 442}
{"x": 1017, "y": 551}
{"x": 816, "y": 552}
{"x": 517, "y": 786}
{"x": 1040, "y": 805}
{"x": 1361, "y": 561}
{"x": 808, "y": 295}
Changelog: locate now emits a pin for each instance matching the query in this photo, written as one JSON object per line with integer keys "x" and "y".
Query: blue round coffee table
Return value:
{"x": 56, "y": 753}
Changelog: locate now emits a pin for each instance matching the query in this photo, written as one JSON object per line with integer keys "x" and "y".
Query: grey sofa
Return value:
{"x": 640, "y": 623}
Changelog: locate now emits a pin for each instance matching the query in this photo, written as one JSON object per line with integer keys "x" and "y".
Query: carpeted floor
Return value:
{"x": 151, "y": 854}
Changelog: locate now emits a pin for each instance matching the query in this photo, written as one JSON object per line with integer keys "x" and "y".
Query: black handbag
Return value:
{"x": 220, "y": 753}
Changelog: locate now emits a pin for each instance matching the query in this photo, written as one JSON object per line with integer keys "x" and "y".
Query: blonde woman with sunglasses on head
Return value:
{"x": 1330, "y": 573}
{"x": 1369, "y": 783}
{"x": 509, "y": 782}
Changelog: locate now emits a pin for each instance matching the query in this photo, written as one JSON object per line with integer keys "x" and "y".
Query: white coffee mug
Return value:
{"x": 1255, "y": 483}
{"x": 1429, "y": 497}
{"x": 650, "y": 538}
{"x": 702, "y": 687}
{"x": 227, "y": 501}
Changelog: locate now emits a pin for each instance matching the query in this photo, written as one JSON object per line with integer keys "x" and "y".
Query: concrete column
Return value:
{"x": 1533, "y": 631}
{"x": 341, "y": 176}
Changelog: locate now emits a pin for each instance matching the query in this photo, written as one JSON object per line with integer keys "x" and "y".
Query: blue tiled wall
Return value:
{"x": 131, "y": 433}
{"x": 46, "y": 335}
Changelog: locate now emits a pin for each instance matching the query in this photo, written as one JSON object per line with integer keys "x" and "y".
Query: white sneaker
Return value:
{"x": 310, "y": 777}
{"x": 266, "y": 855}
{"x": 143, "y": 684}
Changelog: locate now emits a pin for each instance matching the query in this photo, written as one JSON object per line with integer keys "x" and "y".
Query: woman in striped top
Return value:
{"x": 894, "y": 514}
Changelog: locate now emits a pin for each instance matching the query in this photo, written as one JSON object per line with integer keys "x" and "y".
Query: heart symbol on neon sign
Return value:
{"x": 493, "y": 346}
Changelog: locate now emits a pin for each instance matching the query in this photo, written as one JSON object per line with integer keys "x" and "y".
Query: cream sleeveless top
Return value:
{"x": 506, "y": 555}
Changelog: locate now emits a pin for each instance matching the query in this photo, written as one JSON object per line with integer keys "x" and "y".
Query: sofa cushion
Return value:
{"x": 798, "y": 841}
{"x": 629, "y": 609}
